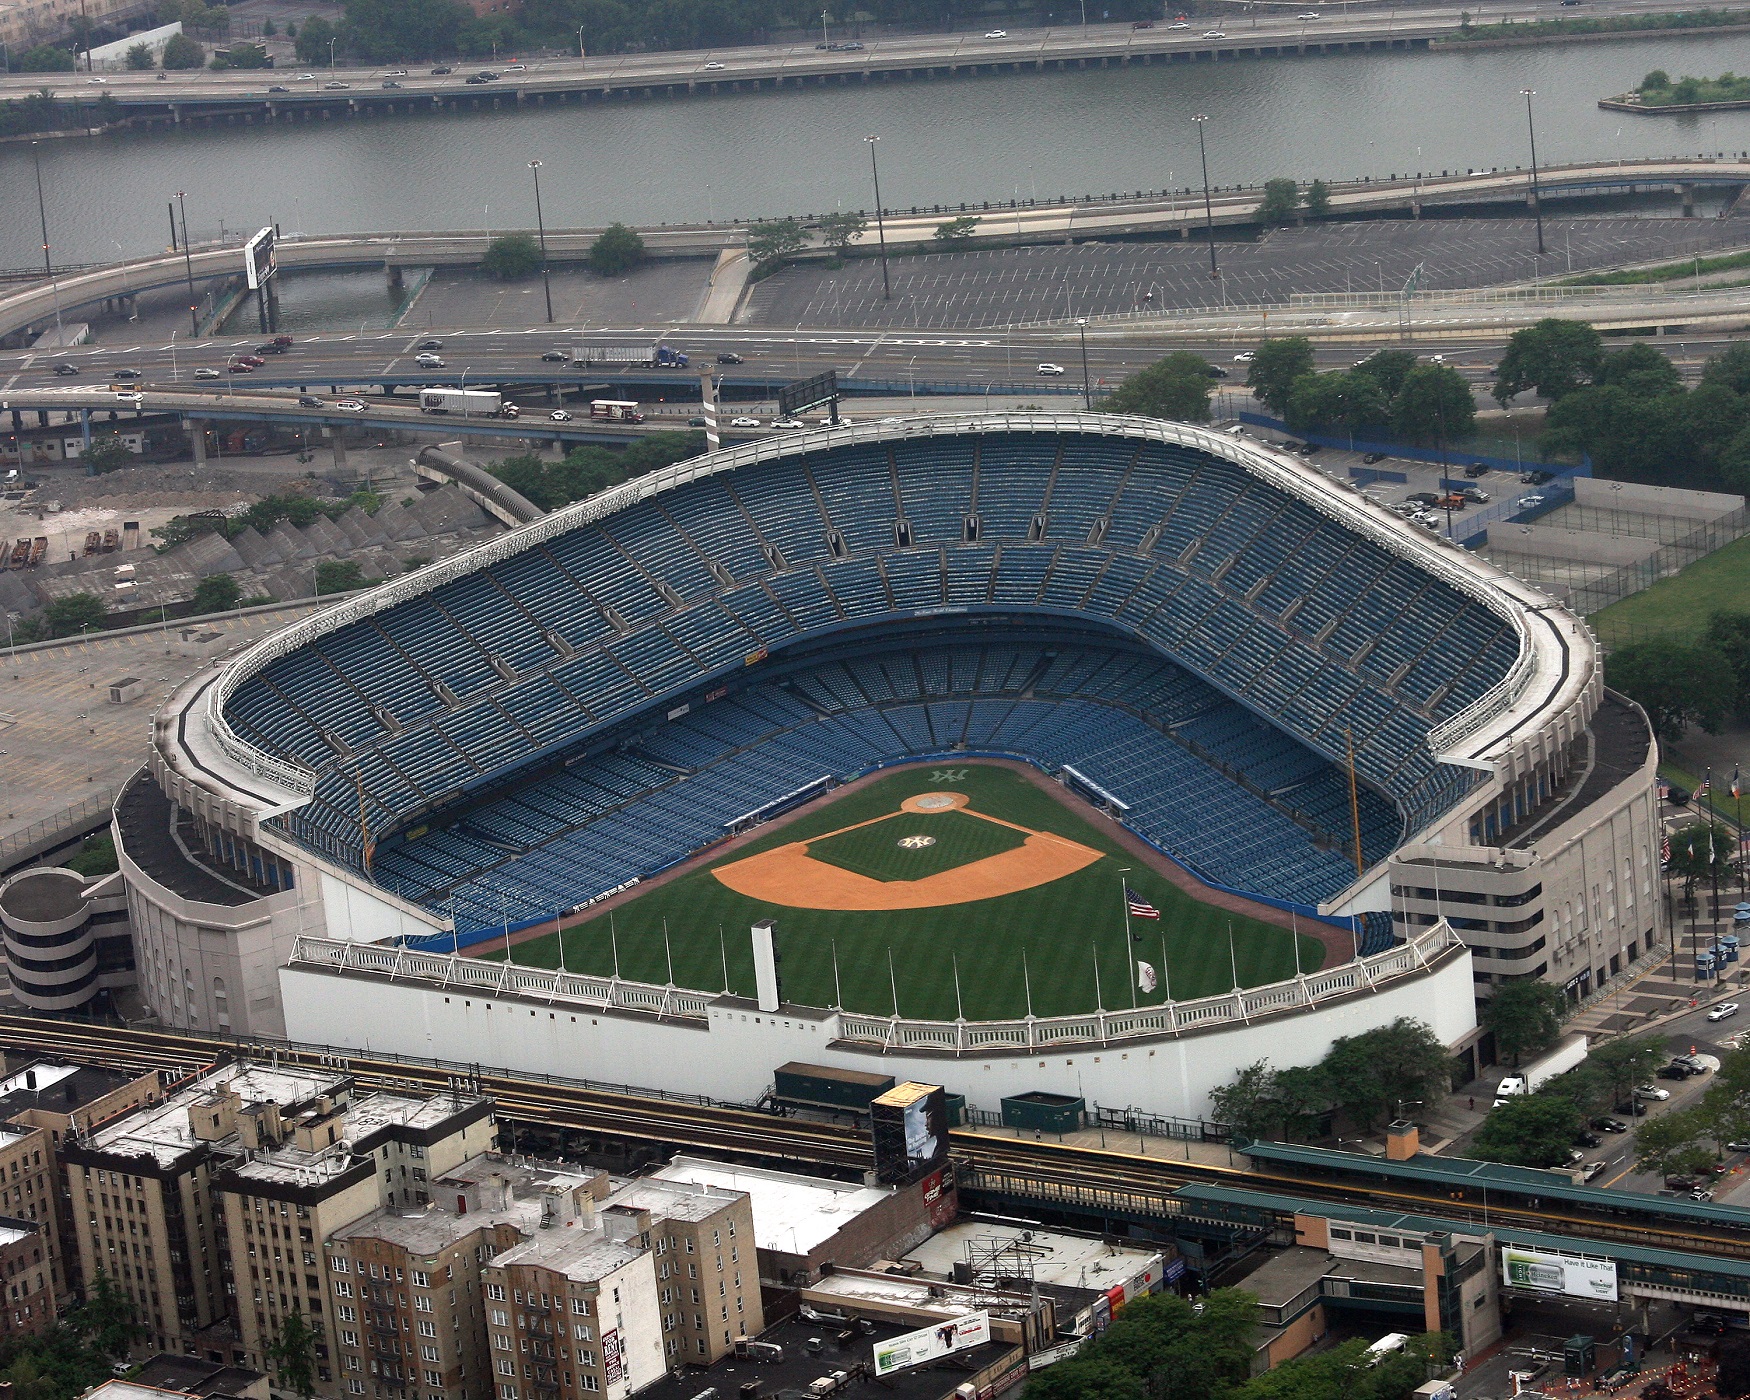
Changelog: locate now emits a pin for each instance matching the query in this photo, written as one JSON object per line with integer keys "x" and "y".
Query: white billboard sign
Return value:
{"x": 1566, "y": 1274}
{"x": 259, "y": 263}
{"x": 929, "y": 1343}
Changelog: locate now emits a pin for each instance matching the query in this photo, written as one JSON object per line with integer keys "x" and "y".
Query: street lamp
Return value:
{"x": 880, "y": 223}
{"x": 1087, "y": 393}
{"x": 541, "y": 224}
{"x": 1531, "y": 130}
{"x": 43, "y": 217}
{"x": 331, "y": 43}
{"x": 580, "y": 53}
{"x": 1208, "y": 207}
{"x": 188, "y": 265}
{"x": 823, "y": 18}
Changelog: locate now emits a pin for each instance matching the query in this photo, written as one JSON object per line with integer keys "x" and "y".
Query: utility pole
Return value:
{"x": 1536, "y": 198}
{"x": 880, "y": 222}
{"x": 188, "y": 266}
{"x": 541, "y": 224}
{"x": 42, "y": 215}
{"x": 1208, "y": 207}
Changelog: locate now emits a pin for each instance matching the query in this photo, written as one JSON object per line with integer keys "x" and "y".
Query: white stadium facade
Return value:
{"x": 1160, "y": 608}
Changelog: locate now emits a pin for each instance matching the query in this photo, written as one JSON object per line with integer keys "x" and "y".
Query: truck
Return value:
{"x": 657, "y": 356}
{"x": 1567, "y": 1053}
{"x": 615, "y": 411}
{"x": 470, "y": 403}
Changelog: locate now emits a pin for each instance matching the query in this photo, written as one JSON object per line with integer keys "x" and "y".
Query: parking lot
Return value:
{"x": 1009, "y": 285}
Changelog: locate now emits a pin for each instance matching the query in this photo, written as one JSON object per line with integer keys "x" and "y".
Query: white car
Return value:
{"x": 560, "y": 415}
{"x": 997, "y": 34}
{"x": 713, "y": 67}
{"x": 1050, "y": 369}
{"x": 396, "y": 73}
{"x": 1723, "y": 1010}
{"x": 306, "y": 77}
{"x": 1179, "y": 24}
{"x": 744, "y": 422}
{"x": 131, "y": 396}
{"x": 205, "y": 372}
{"x": 1215, "y": 34}
{"x": 430, "y": 361}
{"x": 98, "y": 82}
{"x": 1653, "y": 1092}
{"x": 1310, "y": 14}
{"x": 1245, "y": 357}
{"x": 891, "y": 420}
{"x": 788, "y": 423}
{"x": 350, "y": 405}
{"x": 1529, "y": 502}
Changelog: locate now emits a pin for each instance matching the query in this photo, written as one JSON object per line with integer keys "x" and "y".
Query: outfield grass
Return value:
{"x": 1063, "y": 928}
{"x": 1678, "y": 607}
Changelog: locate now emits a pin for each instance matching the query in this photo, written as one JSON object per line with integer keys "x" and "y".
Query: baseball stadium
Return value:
{"x": 996, "y": 717}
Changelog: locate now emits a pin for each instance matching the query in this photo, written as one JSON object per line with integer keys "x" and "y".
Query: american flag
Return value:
{"x": 1139, "y": 907}
{"x": 1707, "y": 783}
{"x": 1665, "y": 850}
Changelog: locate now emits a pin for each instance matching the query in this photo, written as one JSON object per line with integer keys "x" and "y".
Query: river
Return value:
{"x": 771, "y": 153}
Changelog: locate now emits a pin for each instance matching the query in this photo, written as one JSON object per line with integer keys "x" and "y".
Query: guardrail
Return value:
{"x": 66, "y": 819}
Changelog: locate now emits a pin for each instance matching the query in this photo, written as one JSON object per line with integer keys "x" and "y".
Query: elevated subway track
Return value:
{"x": 1087, "y": 1182}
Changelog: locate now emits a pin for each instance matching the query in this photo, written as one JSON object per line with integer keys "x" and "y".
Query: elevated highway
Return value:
{"x": 34, "y": 304}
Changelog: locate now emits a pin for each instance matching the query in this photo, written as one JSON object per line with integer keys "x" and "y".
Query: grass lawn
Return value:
{"x": 1678, "y": 606}
{"x": 1063, "y": 928}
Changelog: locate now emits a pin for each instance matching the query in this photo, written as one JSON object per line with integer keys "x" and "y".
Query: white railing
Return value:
{"x": 887, "y": 1033}
{"x": 1457, "y": 568}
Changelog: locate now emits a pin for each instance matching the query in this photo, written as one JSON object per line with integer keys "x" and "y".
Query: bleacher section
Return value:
{"x": 1236, "y": 800}
{"x": 1316, "y": 632}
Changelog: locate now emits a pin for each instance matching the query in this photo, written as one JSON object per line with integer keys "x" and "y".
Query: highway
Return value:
{"x": 1334, "y": 26}
{"x": 1087, "y": 1180}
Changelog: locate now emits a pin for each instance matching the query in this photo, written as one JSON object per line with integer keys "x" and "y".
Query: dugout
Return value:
{"x": 1043, "y": 1112}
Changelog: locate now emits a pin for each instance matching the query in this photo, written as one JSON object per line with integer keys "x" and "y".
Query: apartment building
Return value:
{"x": 663, "y": 1274}
{"x": 408, "y": 1301}
{"x": 25, "y": 1255}
{"x": 42, "y": 1103}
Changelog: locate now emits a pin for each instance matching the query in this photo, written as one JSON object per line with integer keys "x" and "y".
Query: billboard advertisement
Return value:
{"x": 932, "y": 1343}
{"x": 808, "y": 393}
{"x": 1566, "y": 1274}
{"x": 909, "y": 1125}
{"x": 258, "y": 260}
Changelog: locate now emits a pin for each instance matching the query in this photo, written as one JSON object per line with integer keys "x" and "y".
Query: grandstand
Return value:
{"x": 600, "y": 694}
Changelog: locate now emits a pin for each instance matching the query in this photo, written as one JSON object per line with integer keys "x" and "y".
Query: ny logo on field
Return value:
{"x": 948, "y": 775}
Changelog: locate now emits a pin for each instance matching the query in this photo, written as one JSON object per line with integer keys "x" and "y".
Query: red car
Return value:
{"x": 238, "y": 367}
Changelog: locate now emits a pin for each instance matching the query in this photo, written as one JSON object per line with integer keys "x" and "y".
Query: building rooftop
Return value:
{"x": 580, "y": 1253}
{"x": 674, "y": 1200}
{"x": 57, "y": 1087}
{"x": 1006, "y": 1252}
{"x": 791, "y": 1213}
{"x": 812, "y": 1351}
{"x": 527, "y": 1188}
{"x": 193, "y": 1376}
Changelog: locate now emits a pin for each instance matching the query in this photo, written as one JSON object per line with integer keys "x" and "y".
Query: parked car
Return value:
{"x": 1652, "y": 1092}
{"x": 1723, "y": 1010}
{"x": 1586, "y": 1138}
{"x": 1534, "y": 478}
{"x": 1423, "y": 498}
{"x": 1671, "y": 1072}
{"x": 1630, "y": 1108}
{"x": 1369, "y": 458}
{"x": 1474, "y": 494}
{"x": 1708, "y": 1324}
{"x": 1476, "y": 469}
{"x": 1592, "y": 1169}
{"x": 1529, "y": 502}
{"x": 1609, "y": 1125}
{"x": 1701, "y": 1193}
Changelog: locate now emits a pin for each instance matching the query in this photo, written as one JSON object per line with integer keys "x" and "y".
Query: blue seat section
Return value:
{"x": 656, "y": 794}
{"x": 1331, "y": 638}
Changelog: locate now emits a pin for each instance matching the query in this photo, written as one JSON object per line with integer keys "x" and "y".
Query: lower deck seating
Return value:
{"x": 1237, "y": 801}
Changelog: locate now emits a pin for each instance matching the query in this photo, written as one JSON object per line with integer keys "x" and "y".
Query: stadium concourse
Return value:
{"x": 1289, "y": 692}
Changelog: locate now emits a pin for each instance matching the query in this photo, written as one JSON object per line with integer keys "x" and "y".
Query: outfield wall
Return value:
{"x": 724, "y": 1047}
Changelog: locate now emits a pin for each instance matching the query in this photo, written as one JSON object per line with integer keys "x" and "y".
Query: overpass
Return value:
{"x": 1161, "y": 214}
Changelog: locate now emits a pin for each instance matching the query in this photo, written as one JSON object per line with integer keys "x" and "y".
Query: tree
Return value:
{"x": 1733, "y": 1381}
{"x": 139, "y": 57}
{"x": 292, "y": 1353}
{"x": 1622, "y": 1064}
{"x": 1318, "y": 199}
{"x": 95, "y": 856}
{"x": 1372, "y": 1075}
{"x": 1641, "y": 370}
{"x": 1175, "y": 387}
{"x": 617, "y": 249}
{"x": 1341, "y": 401}
{"x": 1672, "y": 1145}
{"x": 1086, "y": 1379}
{"x": 107, "y": 454}
{"x": 106, "y": 1317}
{"x": 1701, "y": 853}
{"x": 74, "y": 614}
{"x": 955, "y": 232}
{"x": 340, "y": 576}
{"x": 312, "y": 40}
{"x": 45, "y": 58}
{"x": 1305, "y": 1100}
{"x": 1553, "y": 357}
{"x": 1626, "y": 434}
{"x": 1655, "y": 81}
{"x": 182, "y": 52}
{"x": 1728, "y": 633}
{"x": 1248, "y": 1105}
{"x": 774, "y": 240}
{"x": 269, "y": 28}
{"x": 1730, "y": 368}
{"x": 839, "y": 231}
{"x": 291, "y": 29}
{"x": 1677, "y": 683}
{"x": 1434, "y": 404}
{"x": 1533, "y": 1130}
{"x": 1524, "y": 1015}
{"x": 511, "y": 257}
{"x": 216, "y": 593}
{"x": 1276, "y": 364}
{"x": 242, "y": 56}
{"x": 1280, "y": 203}
{"x": 1389, "y": 367}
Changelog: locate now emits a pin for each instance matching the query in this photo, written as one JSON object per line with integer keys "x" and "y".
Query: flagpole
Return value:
{"x": 1166, "y": 977}
{"x": 1294, "y": 934}
{"x": 723, "y": 953}
{"x": 892, "y": 984}
{"x": 1233, "y": 966}
{"x": 838, "y": 999}
{"x": 1129, "y": 952}
{"x": 559, "y": 929}
{"x": 959, "y": 1009}
{"x": 1738, "y": 817}
{"x": 667, "y": 952}
{"x": 614, "y": 939}
{"x": 1099, "y": 997}
{"x": 1027, "y": 982}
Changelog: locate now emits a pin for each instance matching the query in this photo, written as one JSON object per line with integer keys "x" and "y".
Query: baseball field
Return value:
{"x": 928, "y": 871}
